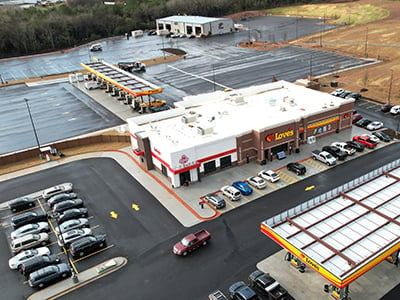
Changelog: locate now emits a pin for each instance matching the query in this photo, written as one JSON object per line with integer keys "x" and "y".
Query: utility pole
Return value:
{"x": 310, "y": 67}
{"x": 33, "y": 127}
{"x": 390, "y": 86}
{"x": 366, "y": 43}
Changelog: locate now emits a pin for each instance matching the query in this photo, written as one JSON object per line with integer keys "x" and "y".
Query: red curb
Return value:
{"x": 188, "y": 207}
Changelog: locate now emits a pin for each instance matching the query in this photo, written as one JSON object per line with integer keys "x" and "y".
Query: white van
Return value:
{"x": 395, "y": 110}
{"x": 92, "y": 85}
{"x": 231, "y": 192}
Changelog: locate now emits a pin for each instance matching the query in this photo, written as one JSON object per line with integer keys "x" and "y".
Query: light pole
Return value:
{"x": 213, "y": 76}
{"x": 390, "y": 86}
{"x": 90, "y": 57}
{"x": 33, "y": 127}
{"x": 163, "y": 52}
{"x": 54, "y": 216}
{"x": 366, "y": 43}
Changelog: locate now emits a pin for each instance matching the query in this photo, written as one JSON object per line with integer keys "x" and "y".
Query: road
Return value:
{"x": 146, "y": 236}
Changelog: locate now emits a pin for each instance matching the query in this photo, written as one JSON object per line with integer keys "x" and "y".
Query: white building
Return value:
{"x": 210, "y": 132}
{"x": 195, "y": 25}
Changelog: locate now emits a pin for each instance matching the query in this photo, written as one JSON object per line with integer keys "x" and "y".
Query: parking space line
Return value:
{"x": 258, "y": 191}
{"x": 89, "y": 255}
{"x": 230, "y": 204}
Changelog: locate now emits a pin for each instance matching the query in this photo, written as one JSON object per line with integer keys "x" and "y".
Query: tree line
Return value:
{"x": 38, "y": 29}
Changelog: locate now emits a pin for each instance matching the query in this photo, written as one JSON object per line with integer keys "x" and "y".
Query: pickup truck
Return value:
{"x": 324, "y": 156}
{"x": 344, "y": 147}
{"x": 267, "y": 286}
{"x": 191, "y": 242}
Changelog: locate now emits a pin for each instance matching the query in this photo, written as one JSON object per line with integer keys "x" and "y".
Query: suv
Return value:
{"x": 27, "y": 218}
{"x": 29, "y": 241}
{"x": 240, "y": 291}
{"x": 49, "y": 274}
{"x": 37, "y": 263}
{"x": 87, "y": 245}
{"x": 215, "y": 200}
{"x": 21, "y": 204}
{"x": 231, "y": 192}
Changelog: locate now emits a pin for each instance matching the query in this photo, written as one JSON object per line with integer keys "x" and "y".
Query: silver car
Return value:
{"x": 30, "y": 228}
{"x": 72, "y": 224}
{"x": 65, "y": 239}
{"x": 57, "y": 189}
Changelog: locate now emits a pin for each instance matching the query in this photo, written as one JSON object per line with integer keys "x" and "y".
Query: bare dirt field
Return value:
{"x": 379, "y": 40}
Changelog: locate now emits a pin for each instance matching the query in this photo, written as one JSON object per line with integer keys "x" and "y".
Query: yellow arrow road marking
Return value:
{"x": 135, "y": 207}
{"x": 113, "y": 214}
{"x": 309, "y": 188}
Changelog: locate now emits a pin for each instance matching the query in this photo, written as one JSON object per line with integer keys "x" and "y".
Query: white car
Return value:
{"x": 57, "y": 189}
{"x": 17, "y": 260}
{"x": 30, "y": 228}
{"x": 337, "y": 92}
{"x": 375, "y": 125}
{"x": 344, "y": 147}
{"x": 395, "y": 110}
{"x": 269, "y": 175}
{"x": 231, "y": 192}
{"x": 257, "y": 181}
{"x": 72, "y": 224}
{"x": 373, "y": 138}
{"x": 68, "y": 237}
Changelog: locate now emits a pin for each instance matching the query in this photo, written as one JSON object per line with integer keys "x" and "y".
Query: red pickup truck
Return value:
{"x": 192, "y": 242}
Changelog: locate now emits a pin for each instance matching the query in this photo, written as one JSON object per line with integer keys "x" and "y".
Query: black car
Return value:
{"x": 37, "y": 263}
{"x": 266, "y": 285}
{"x": 344, "y": 94}
{"x": 386, "y": 107}
{"x": 355, "y": 96}
{"x": 335, "y": 151}
{"x": 363, "y": 122}
{"x": 61, "y": 197}
{"x": 73, "y": 213}
{"x": 87, "y": 245}
{"x": 48, "y": 275}
{"x": 382, "y": 136}
{"x": 215, "y": 200}
{"x": 356, "y": 145}
{"x": 297, "y": 168}
{"x": 68, "y": 204}
{"x": 28, "y": 218}
{"x": 240, "y": 291}
{"x": 21, "y": 204}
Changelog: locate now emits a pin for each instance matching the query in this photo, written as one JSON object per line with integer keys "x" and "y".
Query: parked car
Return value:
{"x": 386, "y": 107}
{"x": 269, "y": 175}
{"x": 373, "y": 138}
{"x": 217, "y": 295}
{"x": 61, "y": 197}
{"x": 395, "y": 110}
{"x": 363, "y": 122}
{"x": 335, "y": 151}
{"x": 243, "y": 187}
{"x": 355, "y": 96}
{"x": 375, "y": 125}
{"x": 337, "y": 92}
{"x": 191, "y": 242}
{"x": 356, "y": 145}
{"x": 73, "y": 213}
{"x": 21, "y": 204}
{"x": 27, "y": 218}
{"x": 29, "y": 241}
{"x": 30, "y": 228}
{"x": 215, "y": 200}
{"x": 365, "y": 140}
{"x": 382, "y": 136}
{"x": 240, "y": 291}
{"x": 344, "y": 94}
{"x": 257, "y": 181}
{"x": 65, "y": 239}
{"x": 231, "y": 192}
{"x": 297, "y": 168}
{"x": 96, "y": 47}
{"x": 87, "y": 245}
{"x": 72, "y": 224}
{"x": 16, "y": 261}
{"x": 57, "y": 189}
{"x": 344, "y": 147}
{"x": 37, "y": 263}
{"x": 68, "y": 204}
{"x": 356, "y": 118}
{"x": 48, "y": 275}
{"x": 266, "y": 285}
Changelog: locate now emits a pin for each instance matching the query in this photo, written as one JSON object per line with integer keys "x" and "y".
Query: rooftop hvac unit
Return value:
{"x": 272, "y": 102}
{"x": 204, "y": 130}
{"x": 237, "y": 100}
{"x": 188, "y": 118}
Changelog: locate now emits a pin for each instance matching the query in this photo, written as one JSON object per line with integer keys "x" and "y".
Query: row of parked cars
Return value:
{"x": 260, "y": 286}
{"x": 29, "y": 240}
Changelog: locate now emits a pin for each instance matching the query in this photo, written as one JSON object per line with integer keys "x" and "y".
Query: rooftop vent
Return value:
{"x": 237, "y": 100}
{"x": 204, "y": 130}
{"x": 188, "y": 118}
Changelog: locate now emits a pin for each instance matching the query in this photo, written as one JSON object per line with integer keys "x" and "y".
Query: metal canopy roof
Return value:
{"x": 126, "y": 81}
{"x": 346, "y": 234}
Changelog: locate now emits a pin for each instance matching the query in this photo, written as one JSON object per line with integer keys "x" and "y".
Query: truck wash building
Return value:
{"x": 209, "y": 132}
{"x": 195, "y": 25}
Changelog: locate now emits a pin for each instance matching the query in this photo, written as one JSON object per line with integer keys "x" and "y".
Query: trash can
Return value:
{"x": 334, "y": 84}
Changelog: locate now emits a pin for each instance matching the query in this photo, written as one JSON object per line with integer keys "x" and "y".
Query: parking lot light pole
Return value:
{"x": 54, "y": 216}
{"x": 33, "y": 127}
{"x": 390, "y": 86}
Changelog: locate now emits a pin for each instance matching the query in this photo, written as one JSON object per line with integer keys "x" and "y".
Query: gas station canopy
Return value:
{"x": 346, "y": 232}
{"x": 126, "y": 81}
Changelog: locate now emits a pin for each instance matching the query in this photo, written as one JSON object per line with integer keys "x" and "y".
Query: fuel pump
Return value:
{"x": 337, "y": 293}
{"x": 295, "y": 262}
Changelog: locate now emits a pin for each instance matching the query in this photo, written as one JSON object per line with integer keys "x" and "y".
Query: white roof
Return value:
{"x": 190, "y": 19}
{"x": 347, "y": 232}
{"x": 262, "y": 107}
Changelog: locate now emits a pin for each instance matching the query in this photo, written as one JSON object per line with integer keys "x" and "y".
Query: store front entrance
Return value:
{"x": 184, "y": 178}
